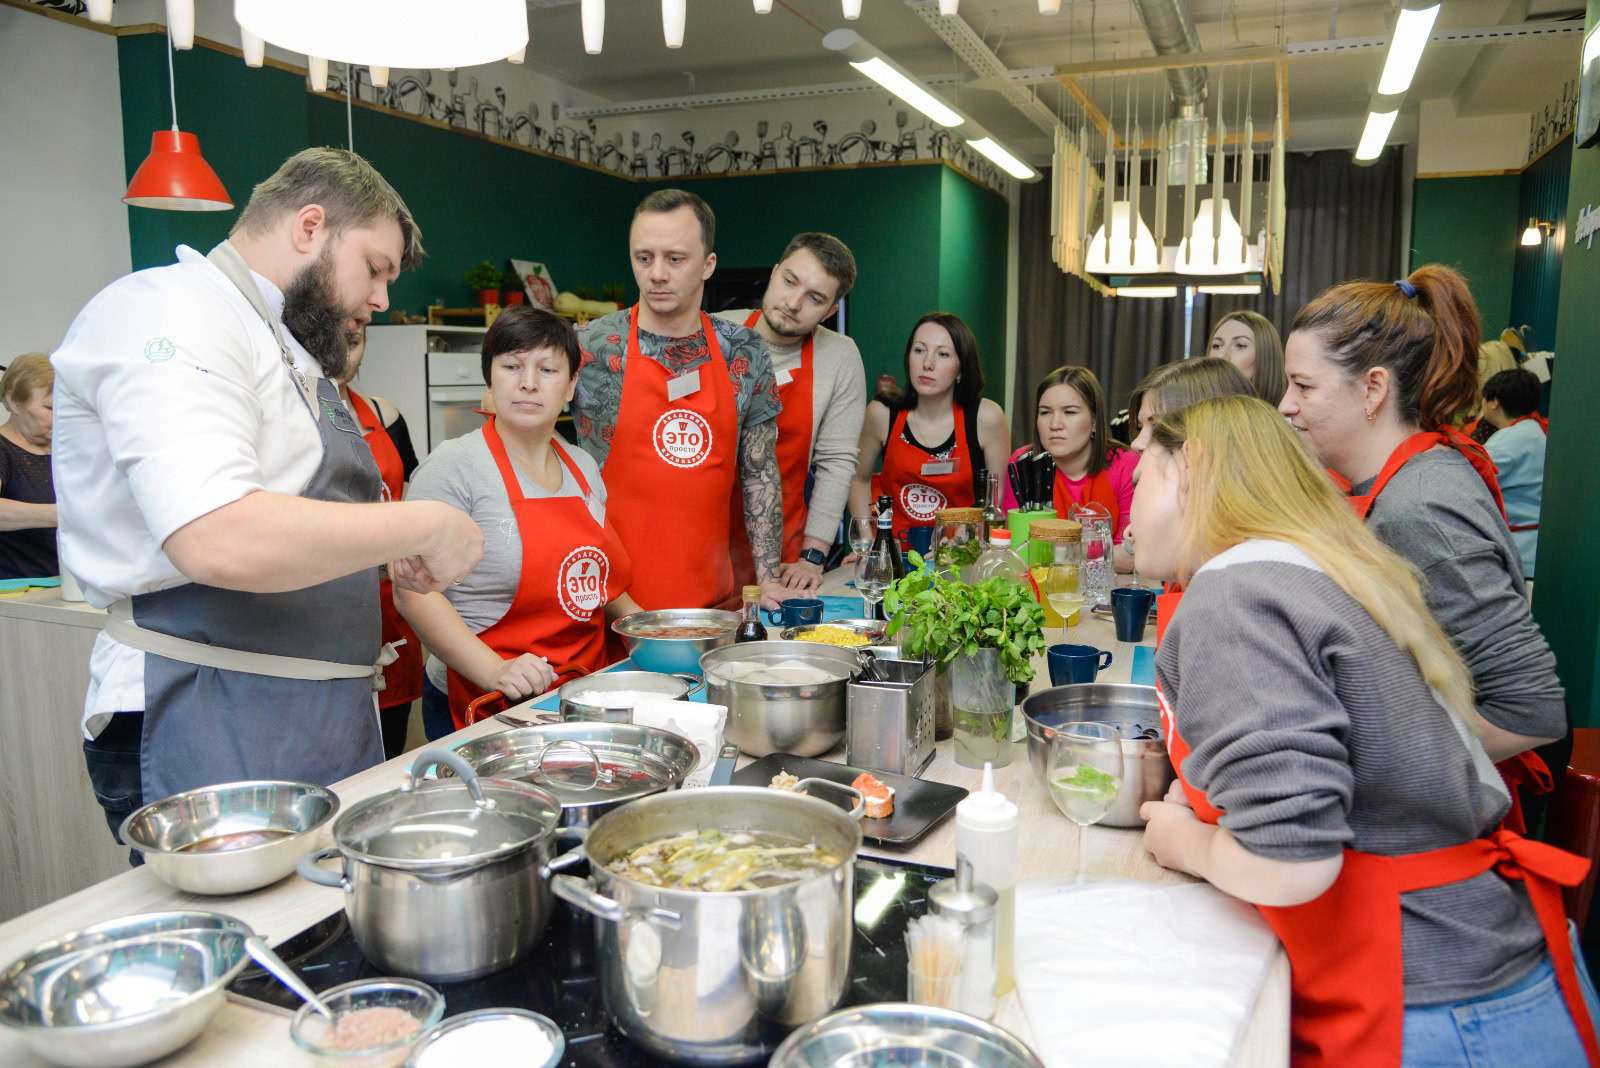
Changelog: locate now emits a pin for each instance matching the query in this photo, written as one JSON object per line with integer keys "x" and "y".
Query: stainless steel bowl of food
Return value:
{"x": 782, "y": 697}
{"x": 866, "y": 1036}
{"x": 230, "y": 838}
{"x": 609, "y": 696}
{"x": 846, "y": 633}
{"x": 591, "y": 768}
{"x": 674, "y": 639}
{"x": 1146, "y": 770}
{"x": 124, "y": 992}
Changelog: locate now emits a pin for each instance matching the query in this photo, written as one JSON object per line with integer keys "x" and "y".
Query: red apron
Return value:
{"x": 1344, "y": 947}
{"x": 918, "y": 496}
{"x": 1527, "y": 770}
{"x": 402, "y": 680}
{"x": 673, "y": 467}
{"x": 1098, "y": 489}
{"x": 794, "y": 464}
{"x": 1544, "y": 425}
{"x": 572, "y": 567}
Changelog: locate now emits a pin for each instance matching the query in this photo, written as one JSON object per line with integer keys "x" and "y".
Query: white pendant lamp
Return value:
{"x": 99, "y": 10}
{"x": 380, "y": 76}
{"x": 419, "y": 34}
{"x": 1110, "y": 256}
{"x": 180, "y": 23}
{"x": 318, "y": 66}
{"x": 253, "y": 47}
{"x": 851, "y": 9}
{"x": 593, "y": 13}
{"x": 1219, "y": 252}
{"x": 763, "y": 7}
{"x": 673, "y": 15}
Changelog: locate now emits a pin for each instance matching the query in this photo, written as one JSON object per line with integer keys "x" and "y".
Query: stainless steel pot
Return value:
{"x": 674, "y": 655}
{"x": 806, "y": 720}
{"x": 714, "y": 978}
{"x": 1146, "y": 771}
{"x": 446, "y": 880}
{"x": 674, "y": 687}
{"x": 591, "y": 768}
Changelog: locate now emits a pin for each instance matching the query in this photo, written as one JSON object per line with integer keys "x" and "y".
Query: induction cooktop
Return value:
{"x": 558, "y": 978}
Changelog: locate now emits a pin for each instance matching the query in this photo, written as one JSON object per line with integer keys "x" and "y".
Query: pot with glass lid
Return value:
{"x": 449, "y": 879}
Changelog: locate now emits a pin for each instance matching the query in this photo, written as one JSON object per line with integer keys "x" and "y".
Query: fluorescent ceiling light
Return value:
{"x": 1379, "y": 123}
{"x": 869, "y": 61}
{"x": 1146, "y": 291}
{"x": 1243, "y": 289}
{"x": 1003, "y": 159}
{"x": 1411, "y": 32}
{"x": 418, "y": 34}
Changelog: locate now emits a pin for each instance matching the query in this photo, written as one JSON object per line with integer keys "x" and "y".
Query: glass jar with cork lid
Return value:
{"x": 957, "y": 540}
{"x": 1057, "y": 569}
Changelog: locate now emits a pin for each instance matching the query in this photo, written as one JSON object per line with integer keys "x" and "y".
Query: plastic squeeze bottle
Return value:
{"x": 986, "y": 834}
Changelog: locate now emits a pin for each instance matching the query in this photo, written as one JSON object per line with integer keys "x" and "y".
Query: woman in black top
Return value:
{"x": 27, "y": 495}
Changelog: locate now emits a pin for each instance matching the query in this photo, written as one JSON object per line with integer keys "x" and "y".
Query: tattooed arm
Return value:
{"x": 763, "y": 499}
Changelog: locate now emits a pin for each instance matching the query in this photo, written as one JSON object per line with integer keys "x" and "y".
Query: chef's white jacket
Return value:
{"x": 171, "y": 400}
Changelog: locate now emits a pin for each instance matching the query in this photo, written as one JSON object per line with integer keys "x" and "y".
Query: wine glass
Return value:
{"x": 874, "y": 574}
{"x": 862, "y": 530}
{"x": 1063, "y": 581}
{"x": 1085, "y": 773}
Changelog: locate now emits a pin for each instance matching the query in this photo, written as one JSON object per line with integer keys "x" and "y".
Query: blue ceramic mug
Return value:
{"x": 1076, "y": 663}
{"x": 795, "y": 611}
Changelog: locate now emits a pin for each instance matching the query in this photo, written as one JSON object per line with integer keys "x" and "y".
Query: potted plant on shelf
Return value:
{"x": 986, "y": 634}
{"x": 485, "y": 278}
{"x": 511, "y": 282}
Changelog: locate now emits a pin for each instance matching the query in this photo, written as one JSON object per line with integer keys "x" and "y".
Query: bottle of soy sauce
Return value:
{"x": 750, "y": 628}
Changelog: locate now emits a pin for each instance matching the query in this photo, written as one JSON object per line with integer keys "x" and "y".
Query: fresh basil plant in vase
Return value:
{"x": 986, "y": 634}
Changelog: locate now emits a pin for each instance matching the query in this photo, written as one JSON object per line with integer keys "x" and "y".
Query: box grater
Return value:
{"x": 889, "y": 725}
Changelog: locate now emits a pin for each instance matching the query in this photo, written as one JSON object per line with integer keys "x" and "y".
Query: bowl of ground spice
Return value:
{"x": 375, "y": 1023}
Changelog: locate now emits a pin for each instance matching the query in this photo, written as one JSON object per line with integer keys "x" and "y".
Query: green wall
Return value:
{"x": 1471, "y": 224}
{"x": 973, "y": 224}
{"x": 1566, "y": 599}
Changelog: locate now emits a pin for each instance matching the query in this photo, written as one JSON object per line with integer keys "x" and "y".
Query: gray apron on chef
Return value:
{"x": 204, "y": 724}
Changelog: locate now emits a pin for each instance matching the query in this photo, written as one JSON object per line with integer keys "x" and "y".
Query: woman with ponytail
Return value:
{"x": 1330, "y": 769}
{"x": 1377, "y": 371}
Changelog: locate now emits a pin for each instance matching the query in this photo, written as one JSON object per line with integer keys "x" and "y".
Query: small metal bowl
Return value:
{"x": 871, "y": 630}
{"x": 1146, "y": 770}
{"x": 165, "y": 830}
{"x": 865, "y": 1036}
{"x": 124, "y": 992}
{"x": 674, "y": 655}
{"x": 312, "y": 1031}
{"x": 558, "y": 1041}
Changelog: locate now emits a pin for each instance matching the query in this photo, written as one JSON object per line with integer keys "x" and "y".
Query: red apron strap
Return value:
{"x": 1528, "y": 771}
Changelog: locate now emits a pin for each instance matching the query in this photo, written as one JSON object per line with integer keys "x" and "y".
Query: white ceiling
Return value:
{"x": 728, "y": 47}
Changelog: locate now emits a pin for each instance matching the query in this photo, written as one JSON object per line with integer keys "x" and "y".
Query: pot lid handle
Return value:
{"x": 601, "y": 772}
{"x": 457, "y": 764}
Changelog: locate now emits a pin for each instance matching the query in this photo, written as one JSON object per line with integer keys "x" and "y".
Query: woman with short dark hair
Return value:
{"x": 1511, "y": 407}
{"x": 553, "y": 570}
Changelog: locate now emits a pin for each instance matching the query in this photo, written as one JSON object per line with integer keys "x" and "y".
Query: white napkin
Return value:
{"x": 1134, "y": 974}
{"x": 700, "y": 723}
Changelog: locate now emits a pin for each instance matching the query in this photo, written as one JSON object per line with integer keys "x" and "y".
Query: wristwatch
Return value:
{"x": 812, "y": 556}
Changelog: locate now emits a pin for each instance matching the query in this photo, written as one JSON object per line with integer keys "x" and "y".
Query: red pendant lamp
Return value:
{"x": 174, "y": 176}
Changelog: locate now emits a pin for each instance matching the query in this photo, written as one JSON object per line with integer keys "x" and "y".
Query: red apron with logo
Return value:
{"x": 572, "y": 567}
{"x": 1347, "y": 982}
{"x": 672, "y": 470}
{"x": 917, "y": 494}
{"x": 402, "y": 680}
{"x": 1098, "y": 490}
{"x": 1544, "y": 425}
{"x": 794, "y": 464}
{"x": 1527, "y": 770}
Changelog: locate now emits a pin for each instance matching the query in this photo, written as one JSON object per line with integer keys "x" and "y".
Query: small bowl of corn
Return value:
{"x": 845, "y": 633}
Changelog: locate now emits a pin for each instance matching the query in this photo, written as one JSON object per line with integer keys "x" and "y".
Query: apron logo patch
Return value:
{"x": 921, "y": 502}
{"x": 682, "y": 438}
{"x": 581, "y": 582}
{"x": 159, "y": 350}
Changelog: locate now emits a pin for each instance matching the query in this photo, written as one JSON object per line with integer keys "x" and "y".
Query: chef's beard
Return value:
{"x": 781, "y": 330}
{"x": 313, "y": 314}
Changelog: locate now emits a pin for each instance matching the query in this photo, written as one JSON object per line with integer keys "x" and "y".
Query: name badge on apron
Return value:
{"x": 939, "y": 467}
{"x": 683, "y": 385}
{"x": 785, "y": 376}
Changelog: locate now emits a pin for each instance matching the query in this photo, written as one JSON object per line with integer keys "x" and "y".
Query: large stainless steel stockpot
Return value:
{"x": 805, "y": 719}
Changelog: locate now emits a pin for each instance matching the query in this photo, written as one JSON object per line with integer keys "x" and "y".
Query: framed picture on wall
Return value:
{"x": 1587, "y": 130}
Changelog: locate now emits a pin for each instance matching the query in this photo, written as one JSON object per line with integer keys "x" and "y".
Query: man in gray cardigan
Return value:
{"x": 811, "y": 277}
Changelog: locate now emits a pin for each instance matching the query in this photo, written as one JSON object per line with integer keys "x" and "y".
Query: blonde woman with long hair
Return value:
{"x": 1330, "y": 767}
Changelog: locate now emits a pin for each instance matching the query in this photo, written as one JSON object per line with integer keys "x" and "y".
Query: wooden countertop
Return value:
{"x": 241, "y": 1036}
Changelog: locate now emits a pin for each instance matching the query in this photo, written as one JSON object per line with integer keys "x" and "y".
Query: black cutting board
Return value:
{"x": 918, "y": 803}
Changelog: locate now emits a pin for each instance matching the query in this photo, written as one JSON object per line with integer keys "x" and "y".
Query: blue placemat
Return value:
{"x": 842, "y": 608}
{"x": 1144, "y": 666}
{"x": 19, "y": 584}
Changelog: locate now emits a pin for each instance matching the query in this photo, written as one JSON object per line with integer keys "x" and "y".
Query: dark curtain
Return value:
{"x": 1342, "y": 222}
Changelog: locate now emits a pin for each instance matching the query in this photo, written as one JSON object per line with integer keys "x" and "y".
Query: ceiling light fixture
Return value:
{"x": 1241, "y": 289}
{"x": 1534, "y": 234}
{"x": 1049, "y": 7}
{"x": 1108, "y": 257}
{"x": 174, "y": 176}
{"x": 317, "y": 66}
{"x": 1146, "y": 291}
{"x": 593, "y": 13}
{"x": 1003, "y": 159}
{"x": 851, "y": 9}
{"x": 180, "y": 24}
{"x": 947, "y": 8}
{"x": 763, "y": 7}
{"x": 1219, "y": 252}
{"x": 1411, "y": 32}
{"x": 99, "y": 10}
{"x": 253, "y": 47}
{"x": 1376, "y": 133}
{"x": 674, "y": 13}
{"x": 380, "y": 76}
{"x": 875, "y": 65}
{"x": 418, "y": 34}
